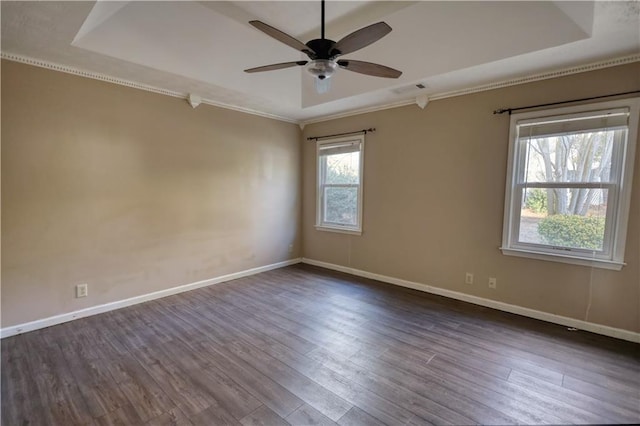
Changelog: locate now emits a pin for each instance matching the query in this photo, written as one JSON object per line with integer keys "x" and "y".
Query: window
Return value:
{"x": 339, "y": 194}
{"x": 569, "y": 183}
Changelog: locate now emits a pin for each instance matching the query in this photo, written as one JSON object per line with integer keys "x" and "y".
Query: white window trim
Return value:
{"x": 353, "y": 230}
{"x": 615, "y": 259}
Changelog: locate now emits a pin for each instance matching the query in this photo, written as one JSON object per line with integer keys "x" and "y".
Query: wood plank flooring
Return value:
{"x": 307, "y": 346}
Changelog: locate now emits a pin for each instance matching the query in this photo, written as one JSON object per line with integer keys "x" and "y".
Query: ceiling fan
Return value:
{"x": 323, "y": 53}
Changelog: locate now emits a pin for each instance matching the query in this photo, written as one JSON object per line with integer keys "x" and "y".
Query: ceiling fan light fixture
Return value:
{"x": 322, "y": 69}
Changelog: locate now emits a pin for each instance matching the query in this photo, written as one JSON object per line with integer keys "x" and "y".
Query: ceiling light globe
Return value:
{"x": 322, "y": 68}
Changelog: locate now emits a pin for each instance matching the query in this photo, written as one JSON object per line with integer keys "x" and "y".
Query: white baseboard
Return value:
{"x": 532, "y": 313}
{"x": 514, "y": 309}
{"x": 58, "y": 319}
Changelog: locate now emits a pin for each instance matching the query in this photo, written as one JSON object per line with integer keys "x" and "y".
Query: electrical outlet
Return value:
{"x": 82, "y": 290}
{"x": 492, "y": 283}
{"x": 468, "y": 279}
{"x": 290, "y": 248}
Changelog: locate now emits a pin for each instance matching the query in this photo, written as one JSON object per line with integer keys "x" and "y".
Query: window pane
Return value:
{"x": 564, "y": 217}
{"x": 577, "y": 157}
{"x": 341, "y": 205}
{"x": 343, "y": 168}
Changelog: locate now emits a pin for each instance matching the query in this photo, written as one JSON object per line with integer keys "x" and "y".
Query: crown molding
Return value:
{"x": 133, "y": 84}
{"x": 88, "y": 74}
{"x": 542, "y": 76}
{"x": 302, "y": 123}
{"x": 249, "y": 111}
{"x": 382, "y": 107}
{"x": 484, "y": 87}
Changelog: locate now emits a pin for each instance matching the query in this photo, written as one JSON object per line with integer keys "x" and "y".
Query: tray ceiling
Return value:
{"x": 203, "y": 47}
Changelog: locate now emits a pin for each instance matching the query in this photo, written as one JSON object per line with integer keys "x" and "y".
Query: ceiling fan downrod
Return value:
{"x": 322, "y": 21}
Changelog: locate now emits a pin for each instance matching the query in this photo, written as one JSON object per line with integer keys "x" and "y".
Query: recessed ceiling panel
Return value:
{"x": 432, "y": 38}
{"x": 194, "y": 41}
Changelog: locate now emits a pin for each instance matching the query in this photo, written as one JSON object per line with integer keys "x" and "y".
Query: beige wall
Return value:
{"x": 133, "y": 192}
{"x": 434, "y": 183}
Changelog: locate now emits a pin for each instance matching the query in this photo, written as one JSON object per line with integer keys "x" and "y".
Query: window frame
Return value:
{"x": 322, "y": 225}
{"x": 616, "y": 219}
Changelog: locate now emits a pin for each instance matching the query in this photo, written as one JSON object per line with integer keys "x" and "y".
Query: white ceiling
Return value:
{"x": 203, "y": 47}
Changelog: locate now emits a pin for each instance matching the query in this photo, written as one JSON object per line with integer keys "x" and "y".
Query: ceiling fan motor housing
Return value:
{"x": 322, "y": 48}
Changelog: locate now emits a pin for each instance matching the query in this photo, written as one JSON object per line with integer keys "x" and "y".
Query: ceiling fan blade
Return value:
{"x": 368, "y": 68}
{"x": 276, "y": 66}
{"x": 282, "y": 37}
{"x": 361, "y": 38}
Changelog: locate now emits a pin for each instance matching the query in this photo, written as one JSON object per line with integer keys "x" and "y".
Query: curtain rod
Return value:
{"x": 365, "y": 131}
{"x": 510, "y": 110}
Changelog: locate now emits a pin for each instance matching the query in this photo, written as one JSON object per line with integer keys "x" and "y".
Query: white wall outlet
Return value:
{"x": 492, "y": 283}
{"x": 290, "y": 248}
{"x": 82, "y": 290}
{"x": 468, "y": 278}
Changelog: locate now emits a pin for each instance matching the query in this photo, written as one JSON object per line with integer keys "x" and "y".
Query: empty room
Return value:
{"x": 320, "y": 213}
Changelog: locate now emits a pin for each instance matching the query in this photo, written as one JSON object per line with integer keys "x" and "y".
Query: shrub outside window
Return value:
{"x": 569, "y": 183}
{"x": 339, "y": 189}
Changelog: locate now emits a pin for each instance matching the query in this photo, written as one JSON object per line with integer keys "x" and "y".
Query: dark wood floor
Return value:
{"x": 304, "y": 346}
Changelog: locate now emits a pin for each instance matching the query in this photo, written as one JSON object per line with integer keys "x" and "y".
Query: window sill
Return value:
{"x": 595, "y": 263}
{"x": 338, "y": 229}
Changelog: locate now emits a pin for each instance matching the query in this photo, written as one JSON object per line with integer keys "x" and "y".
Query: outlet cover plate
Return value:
{"x": 82, "y": 290}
